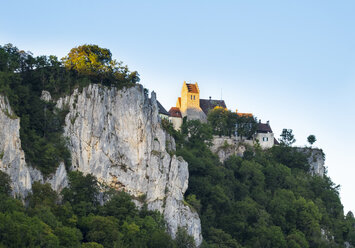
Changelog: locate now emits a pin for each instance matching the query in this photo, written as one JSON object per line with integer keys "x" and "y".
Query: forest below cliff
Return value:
{"x": 268, "y": 198}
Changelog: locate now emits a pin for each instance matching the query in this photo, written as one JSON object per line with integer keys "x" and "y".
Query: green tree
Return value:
{"x": 102, "y": 230}
{"x": 246, "y": 126}
{"x": 221, "y": 120}
{"x": 119, "y": 206}
{"x": 196, "y": 132}
{"x": 183, "y": 240}
{"x": 287, "y": 138}
{"x": 311, "y": 139}
{"x": 5, "y": 187}
{"x": 89, "y": 59}
{"x": 219, "y": 239}
{"x": 68, "y": 237}
{"x": 97, "y": 63}
{"x": 82, "y": 192}
{"x": 91, "y": 245}
{"x": 160, "y": 239}
{"x": 42, "y": 195}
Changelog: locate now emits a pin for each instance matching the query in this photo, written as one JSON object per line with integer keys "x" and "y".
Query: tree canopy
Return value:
{"x": 311, "y": 139}
{"x": 287, "y": 137}
{"x": 74, "y": 221}
{"x": 97, "y": 63}
{"x": 227, "y": 123}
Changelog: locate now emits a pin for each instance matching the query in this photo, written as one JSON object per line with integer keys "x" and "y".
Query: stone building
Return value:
{"x": 189, "y": 102}
{"x": 162, "y": 111}
{"x": 265, "y": 136}
{"x": 175, "y": 117}
{"x": 190, "y": 105}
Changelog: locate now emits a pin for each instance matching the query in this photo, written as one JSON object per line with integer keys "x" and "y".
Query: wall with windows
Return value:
{"x": 266, "y": 140}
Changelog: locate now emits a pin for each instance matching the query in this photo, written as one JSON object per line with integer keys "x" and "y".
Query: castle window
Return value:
{"x": 194, "y": 97}
{"x": 191, "y": 97}
{"x": 265, "y": 138}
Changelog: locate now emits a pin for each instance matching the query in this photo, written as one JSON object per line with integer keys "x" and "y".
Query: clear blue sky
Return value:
{"x": 290, "y": 62}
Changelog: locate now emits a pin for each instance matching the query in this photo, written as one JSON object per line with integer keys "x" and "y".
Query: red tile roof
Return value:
{"x": 192, "y": 88}
{"x": 175, "y": 112}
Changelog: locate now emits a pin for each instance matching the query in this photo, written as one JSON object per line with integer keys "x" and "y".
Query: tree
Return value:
{"x": 197, "y": 132}
{"x": 119, "y": 206}
{"x": 5, "y": 187}
{"x": 287, "y": 138}
{"x": 311, "y": 139}
{"x": 183, "y": 240}
{"x": 97, "y": 63}
{"x": 221, "y": 121}
{"x": 246, "y": 126}
{"x": 82, "y": 192}
{"x": 42, "y": 195}
{"x": 220, "y": 239}
{"x": 89, "y": 59}
{"x": 102, "y": 230}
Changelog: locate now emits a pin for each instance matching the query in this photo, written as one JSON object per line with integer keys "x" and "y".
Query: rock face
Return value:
{"x": 225, "y": 147}
{"x": 316, "y": 160}
{"x": 12, "y": 157}
{"x": 116, "y": 135}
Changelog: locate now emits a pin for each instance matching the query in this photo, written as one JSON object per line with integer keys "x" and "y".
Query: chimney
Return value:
{"x": 268, "y": 122}
{"x": 259, "y": 120}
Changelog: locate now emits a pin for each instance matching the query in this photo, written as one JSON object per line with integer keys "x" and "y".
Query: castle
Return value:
{"x": 190, "y": 105}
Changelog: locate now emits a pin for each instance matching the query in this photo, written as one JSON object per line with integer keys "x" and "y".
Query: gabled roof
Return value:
{"x": 175, "y": 112}
{"x": 192, "y": 88}
{"x": 263, "y": 128}
{"x": 276, "y": 142}
{"x": 162, "y": 110}
{"x": 208, "y": 104}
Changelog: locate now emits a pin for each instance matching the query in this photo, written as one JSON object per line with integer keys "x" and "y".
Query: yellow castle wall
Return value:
{"x": 189, "y": 100}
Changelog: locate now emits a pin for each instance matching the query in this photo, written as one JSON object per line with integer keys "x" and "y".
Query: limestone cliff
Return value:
{"x": 12, "y": 157}
{"x": 225, "y": 147}
{"x": 316, "y": 159}
{"x": 116, "y": 135}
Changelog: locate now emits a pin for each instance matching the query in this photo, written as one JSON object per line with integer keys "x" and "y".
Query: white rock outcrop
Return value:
{"x": 12, "y": 157}
{"x": 116, "y": 135}
{"x": 316, "y": 160}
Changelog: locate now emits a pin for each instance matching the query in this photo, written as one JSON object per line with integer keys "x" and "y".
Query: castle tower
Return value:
{"x": 190, "y": 97}
{"x": 189, "y": 102}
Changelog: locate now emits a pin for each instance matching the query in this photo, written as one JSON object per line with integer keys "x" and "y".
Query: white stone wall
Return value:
{"x": 266, "y": 140}
{"x": 176, "y": 121}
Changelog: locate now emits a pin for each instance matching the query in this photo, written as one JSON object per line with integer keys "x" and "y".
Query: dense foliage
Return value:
{"x": 79, "y": 221}
{"x": 24, "y": 77}
{"x": 226, "y": 123}
{"x": 266, "y": 199}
